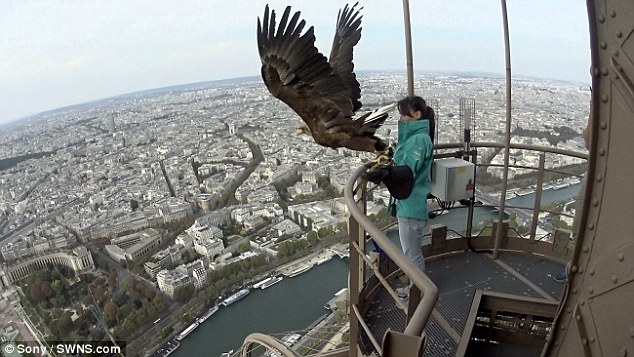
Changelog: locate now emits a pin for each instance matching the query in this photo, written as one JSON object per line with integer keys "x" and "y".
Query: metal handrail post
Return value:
{"x": 538, "y": 195}
{"x": 355, "y": 281}
{"x": 507, "y": 137}
{"x": 474, "y": 159}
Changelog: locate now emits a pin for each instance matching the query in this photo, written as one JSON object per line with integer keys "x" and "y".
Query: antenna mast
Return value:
{"x": 408, "y": 49}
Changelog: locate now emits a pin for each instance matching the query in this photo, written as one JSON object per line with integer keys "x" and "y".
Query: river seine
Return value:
{"x": 292, "y": 304}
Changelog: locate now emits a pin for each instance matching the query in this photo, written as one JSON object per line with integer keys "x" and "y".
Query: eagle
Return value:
{"x": 324, "y": 92}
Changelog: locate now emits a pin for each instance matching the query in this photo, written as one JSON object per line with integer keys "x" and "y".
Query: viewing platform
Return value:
{"x": 458, "y": 277}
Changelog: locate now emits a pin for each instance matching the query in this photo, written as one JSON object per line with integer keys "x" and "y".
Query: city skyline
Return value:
{"x": 68, "y": 52}
{"x": 182, "y": 184}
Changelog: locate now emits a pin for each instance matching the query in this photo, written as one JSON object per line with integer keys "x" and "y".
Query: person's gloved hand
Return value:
{"x": 399, "y": 180}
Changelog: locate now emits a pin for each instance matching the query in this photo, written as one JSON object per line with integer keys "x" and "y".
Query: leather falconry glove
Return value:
{"x": 399, "y": 180}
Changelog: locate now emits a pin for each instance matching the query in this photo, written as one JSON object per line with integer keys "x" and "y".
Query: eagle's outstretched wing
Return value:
{"x": 347, "y": 35}
{"x": 295, "y": 72}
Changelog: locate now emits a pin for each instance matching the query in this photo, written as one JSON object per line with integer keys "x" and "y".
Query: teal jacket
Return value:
{"x": 415, "y": 149}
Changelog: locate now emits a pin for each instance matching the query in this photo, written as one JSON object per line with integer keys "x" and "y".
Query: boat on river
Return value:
{"x": 237, "y": 296}
{"x": 208, "y": 314}
{"x": 299, "y": 270}
{"x": 272, "y": 281}
{"x": 187, "y": 331}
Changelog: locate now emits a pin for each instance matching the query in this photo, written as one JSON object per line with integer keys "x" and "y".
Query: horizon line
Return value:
{"x": 11, "y": 122}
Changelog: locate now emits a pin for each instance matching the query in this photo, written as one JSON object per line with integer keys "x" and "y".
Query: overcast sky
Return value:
{"x": 55, "y": 53}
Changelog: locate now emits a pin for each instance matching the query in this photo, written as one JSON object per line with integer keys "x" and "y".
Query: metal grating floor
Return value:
{"x": 457, "y": 277}
{"x": 538, "y": 270}
{"x": 438, "y": 342}
{"x": 382, "y": 315}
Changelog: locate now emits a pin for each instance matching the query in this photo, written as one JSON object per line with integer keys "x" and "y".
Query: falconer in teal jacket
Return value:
{"x": 415, "y": 150}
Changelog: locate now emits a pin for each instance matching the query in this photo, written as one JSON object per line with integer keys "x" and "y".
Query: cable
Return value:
{"x": 445, "y": 205}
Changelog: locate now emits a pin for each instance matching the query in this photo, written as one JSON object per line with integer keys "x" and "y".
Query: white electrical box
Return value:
{"x": 452, "y": 179}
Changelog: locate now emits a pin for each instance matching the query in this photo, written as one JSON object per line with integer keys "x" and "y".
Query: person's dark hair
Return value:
{"x": 409, "y": 105}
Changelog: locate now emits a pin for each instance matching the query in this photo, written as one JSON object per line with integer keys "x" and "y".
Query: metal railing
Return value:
{"x": 541, "y": 170}
{"x": 363, "y": 269}
{"x": 360, "y": 226}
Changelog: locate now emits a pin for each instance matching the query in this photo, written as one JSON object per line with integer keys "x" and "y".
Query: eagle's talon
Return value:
{"x": 382, "y": 159}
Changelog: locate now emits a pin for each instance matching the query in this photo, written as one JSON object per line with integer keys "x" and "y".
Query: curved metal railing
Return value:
{"x": 362, "y": 269}
{"x": 355, "y": 196}
{"x": 418, "y": 278}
